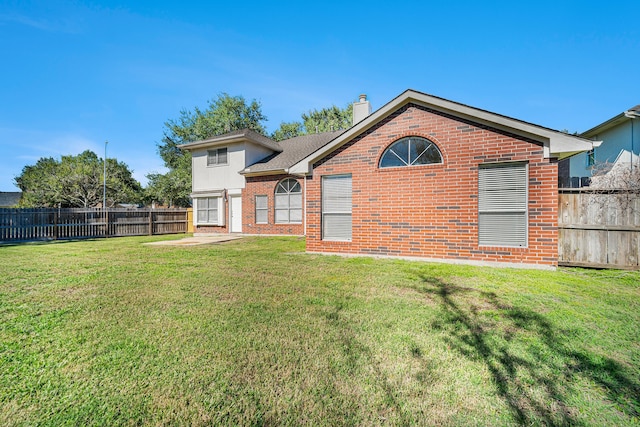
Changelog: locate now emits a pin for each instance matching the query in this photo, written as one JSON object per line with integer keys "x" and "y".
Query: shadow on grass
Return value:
{"x": 354, "y": 355}
{"x": 42, "y": 242}
{"x": 533, "y": 368}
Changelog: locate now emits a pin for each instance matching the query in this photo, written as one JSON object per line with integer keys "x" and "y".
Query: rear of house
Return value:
{"x": 421, "y": 183}
{"x": 422, "y": 177}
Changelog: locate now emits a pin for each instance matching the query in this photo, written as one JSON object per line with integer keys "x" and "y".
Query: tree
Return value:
{"x": 170, "y": 189}
{"x": 38, "y": 189}
{"x": 77, "y": 181}
{"x": 328, "y": 119}
{"x": 288, "y": 130}
{"x": 620, "y": 181}
{"x": 224, "y": 114}
{"x": 316, "y": 121}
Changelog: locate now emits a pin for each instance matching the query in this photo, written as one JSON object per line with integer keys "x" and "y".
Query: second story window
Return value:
{"x": 217, "y": 156}
{"x": 591, "y": 157}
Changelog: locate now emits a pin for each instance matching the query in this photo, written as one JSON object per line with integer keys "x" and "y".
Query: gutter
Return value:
{"x": 249, "y": 173}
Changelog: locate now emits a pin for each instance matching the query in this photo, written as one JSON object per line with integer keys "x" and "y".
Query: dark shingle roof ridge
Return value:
{"x": 260, "y": 137}
{"x": 293, "y": 150}
{"x": 313, "y": 137}
{"x": 10, "y": 198}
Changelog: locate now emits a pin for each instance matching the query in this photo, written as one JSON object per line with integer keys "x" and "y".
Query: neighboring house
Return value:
{"x": 620, "y": 138}
{"x": 10, "y": 199}
{"x": 421, "y": 177}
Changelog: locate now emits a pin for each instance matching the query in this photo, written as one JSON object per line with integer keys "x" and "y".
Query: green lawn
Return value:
{"x": 256, "y": 332}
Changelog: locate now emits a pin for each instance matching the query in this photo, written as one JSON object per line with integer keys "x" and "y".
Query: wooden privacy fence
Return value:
{"x": 599, "y": 229}
{"x": 50, "y": 223}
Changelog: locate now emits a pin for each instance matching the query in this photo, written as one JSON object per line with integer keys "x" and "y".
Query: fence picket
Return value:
{"x": 52, "y": 223}
{"x": 597, "y": 229}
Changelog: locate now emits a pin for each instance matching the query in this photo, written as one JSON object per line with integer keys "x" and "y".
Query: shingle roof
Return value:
{"x": 293, "y": 150}
{"x": 9, "y": 199}
{"x": 236, "y": 135}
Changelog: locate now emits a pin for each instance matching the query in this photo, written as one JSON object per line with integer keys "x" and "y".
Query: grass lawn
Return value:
{"x": 256, "y": 332}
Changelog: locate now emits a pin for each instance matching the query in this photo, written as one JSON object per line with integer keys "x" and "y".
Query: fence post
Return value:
{"x": 150, "y": 222}
{"x": 190, "y": 220}
{"x": 55, "y": 223}
{"x": 106, "y": 222}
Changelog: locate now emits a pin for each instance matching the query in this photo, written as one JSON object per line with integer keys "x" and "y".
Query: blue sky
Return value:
{"x": 75, "y": 74}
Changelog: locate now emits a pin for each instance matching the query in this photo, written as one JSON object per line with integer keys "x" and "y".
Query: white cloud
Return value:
{"x": 40, "y": 23}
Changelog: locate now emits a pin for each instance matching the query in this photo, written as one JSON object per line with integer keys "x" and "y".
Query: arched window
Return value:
{"x": 288, "y": 202}
{"x": 410, "y": 151}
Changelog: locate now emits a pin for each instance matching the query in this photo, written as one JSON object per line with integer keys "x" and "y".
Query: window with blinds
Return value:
{"x": 208, "y": 210}
{"x": 502, "y": 204}
{"x": 262, "y": 212}
{"x": 336, "y": 207}
{"x": 217, "y": 156}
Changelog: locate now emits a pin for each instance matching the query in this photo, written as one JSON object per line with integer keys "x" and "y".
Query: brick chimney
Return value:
{"x": 361, "y": 109}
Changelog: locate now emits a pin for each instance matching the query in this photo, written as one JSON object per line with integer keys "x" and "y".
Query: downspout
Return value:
{"x": 631, "y": 114}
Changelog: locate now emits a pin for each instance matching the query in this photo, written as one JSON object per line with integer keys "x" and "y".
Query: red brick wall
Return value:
{"x": 265, "y": 186}
{"x": 431, "y": 211}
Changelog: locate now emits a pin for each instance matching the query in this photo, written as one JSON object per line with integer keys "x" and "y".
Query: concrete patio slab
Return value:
{"x": 196, "y": 240}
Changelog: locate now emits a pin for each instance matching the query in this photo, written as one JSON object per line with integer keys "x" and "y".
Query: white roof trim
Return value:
{"x": 226, "y": 140}
{"x": 556, "y": 144}
{"x": 208, "y": 193}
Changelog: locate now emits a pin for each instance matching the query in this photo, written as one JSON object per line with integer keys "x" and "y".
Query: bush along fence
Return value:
{"x": 599, "y": 229}
{"x": 53, "y": 224}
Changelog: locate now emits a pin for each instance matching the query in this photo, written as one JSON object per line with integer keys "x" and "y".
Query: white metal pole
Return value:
{"x": 104, "y": 178}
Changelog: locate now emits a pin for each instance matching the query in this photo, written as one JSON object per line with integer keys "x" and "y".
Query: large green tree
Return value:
{"x": 171, "y": 189}
{"x": 224, "y": 114}
{"x": 316, "y": 121}
{"x": 77, "y": 181}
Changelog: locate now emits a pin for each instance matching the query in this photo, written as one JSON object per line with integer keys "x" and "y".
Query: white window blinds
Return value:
{"x": 502, "y": 204}
{"x": 209, "y": 210}
{"x": 336, "y": 207}
{"x": 262, "y": 213}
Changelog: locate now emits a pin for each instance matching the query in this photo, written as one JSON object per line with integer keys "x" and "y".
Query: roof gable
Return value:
{"x": 631, "y": 113}
{"x": 556, "y": 144}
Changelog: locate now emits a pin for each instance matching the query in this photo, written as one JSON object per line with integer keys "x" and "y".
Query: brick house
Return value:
{"x": 422, "y": 177}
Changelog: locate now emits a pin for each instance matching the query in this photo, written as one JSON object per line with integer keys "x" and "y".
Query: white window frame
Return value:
{"x": 391, "y": 151}
{"x": 287, "y": 195}
{"x": 500, "y": 206}
{"x": 335, "y": 206}
{"x": 220, "y": 211}
{"x": 264, "y": 209}
{"x": 213, "y": 156}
